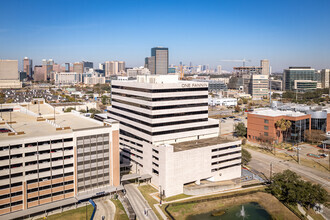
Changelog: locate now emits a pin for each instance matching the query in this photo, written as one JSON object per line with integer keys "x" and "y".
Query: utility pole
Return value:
{"x": 271, "y": 171}
{"x": 298, "y": 156}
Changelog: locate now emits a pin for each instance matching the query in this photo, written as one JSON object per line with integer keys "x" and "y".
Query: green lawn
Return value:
{"x": 76, "y": 214}
{"x": 120, "y": 211}
{"x": 176, "y": 197}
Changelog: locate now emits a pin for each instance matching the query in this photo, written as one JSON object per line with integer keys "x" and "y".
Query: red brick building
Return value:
{"x": 261, "y": 125}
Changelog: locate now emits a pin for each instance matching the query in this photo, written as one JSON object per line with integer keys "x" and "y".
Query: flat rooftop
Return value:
{"x": 188, "y": 145}
{"x": 276, "y": 113}
{"x": 32, "y": 127}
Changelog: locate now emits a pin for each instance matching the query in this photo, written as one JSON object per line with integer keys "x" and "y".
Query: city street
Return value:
{"x": 139, "y": 204}
{"x": 261, "y": 162}
{"x": 104, "y": 208}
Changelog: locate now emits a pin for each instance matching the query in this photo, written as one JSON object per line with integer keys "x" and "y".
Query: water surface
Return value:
{"x": 246, "y": 211}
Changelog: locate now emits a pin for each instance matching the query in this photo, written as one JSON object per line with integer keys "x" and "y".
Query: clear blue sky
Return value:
{"x": 287, "y": 32}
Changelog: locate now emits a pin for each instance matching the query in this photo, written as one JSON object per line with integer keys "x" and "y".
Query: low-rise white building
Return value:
{"x": 68, "y": 78}
{"x": 137, "y": 71}
{"x": 223, "y": 101}
{"x": 93, "y": 80}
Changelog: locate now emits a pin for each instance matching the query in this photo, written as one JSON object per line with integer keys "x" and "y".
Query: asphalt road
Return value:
{"x": 261, "y": 162}
{"x": 138, "y": 203}
{"x": 104, "y": 208}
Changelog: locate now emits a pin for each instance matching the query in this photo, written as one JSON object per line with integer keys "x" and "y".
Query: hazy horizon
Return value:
{"x": 288, "y": 33}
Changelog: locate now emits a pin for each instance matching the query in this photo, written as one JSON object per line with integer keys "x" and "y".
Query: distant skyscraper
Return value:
{"x": 87, "y": 65}
{"x": 47, "y": 68}
{"x": 40, "y": 73}
{"x": 67, "y": 67}
{"x": 101, "y": 66}
{"x": 160, "y": 55}
{"x": 121, "y": 66}
{"x": 114, "y": 67}
{"x": 299, "y": 78}
{"x": 265, "y": 70}
{"x": 27, "y": 67}
{"x": 78, "y": 67}
{"x": 325, "y": 78}
{"x": 219, "y": 69}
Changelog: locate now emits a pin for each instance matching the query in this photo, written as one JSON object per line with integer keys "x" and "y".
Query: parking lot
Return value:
{"x": 227, "y": 125}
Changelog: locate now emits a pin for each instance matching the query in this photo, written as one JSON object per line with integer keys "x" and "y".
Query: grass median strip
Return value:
{"x": 76, "y": 214}
{"x": 146, "y": 190}
{"x": 120, "y": 211}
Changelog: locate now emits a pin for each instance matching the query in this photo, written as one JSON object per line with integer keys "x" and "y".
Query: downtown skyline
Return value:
{"x": 293, "y": 33}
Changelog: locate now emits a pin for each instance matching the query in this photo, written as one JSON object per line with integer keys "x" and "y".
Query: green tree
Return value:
{"x": 246, "y": 156}
{"x": 289, "y": 188}
{"x": 283, "y": 126}
{"x": 240, "y": 129}
{"x": 94, "y": 111}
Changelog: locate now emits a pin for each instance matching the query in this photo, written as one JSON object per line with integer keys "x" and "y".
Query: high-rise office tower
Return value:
{"x": 48, "y": 67}
{"x": 325, "y": 78}
{"x": 299, "y": 78}
{"x": 40, "y": 73}
{"x": 78, "y": 67}
{"x": 219, "y": 69}
{"x": 121, "y": 66}
{"x": 159, "y": 116}
{"x": 87, "y": 65}
{"x": 67, "y": 67}
{"x": 101, "y": 66}
{"x": 265, "y": 68}
{"x": 114, "y": 67}
{"x": 159, "y": 62}
{"x": 27, "y": 67}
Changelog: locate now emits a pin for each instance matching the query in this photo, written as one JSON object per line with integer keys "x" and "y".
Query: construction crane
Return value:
{"x": 181, "y": 71}
{"x": 243, "y": 60}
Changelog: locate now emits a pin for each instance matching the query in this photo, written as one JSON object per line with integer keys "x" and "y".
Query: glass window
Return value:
{"x": 266, "y": 121}
{"x": 266, "y": 127}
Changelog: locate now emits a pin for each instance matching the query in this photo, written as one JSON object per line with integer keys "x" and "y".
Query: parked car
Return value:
{"x": 323, "y": 155}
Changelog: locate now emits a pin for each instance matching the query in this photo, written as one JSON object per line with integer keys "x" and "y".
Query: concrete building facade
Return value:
{"x": 68, "y": 78}
{"x": 78, "y": 67}
{"x": 325, "y": 78}
{"x": 157, "y": 111}
{"x": 9, "y": 76}
{"x": 47, "y": 164}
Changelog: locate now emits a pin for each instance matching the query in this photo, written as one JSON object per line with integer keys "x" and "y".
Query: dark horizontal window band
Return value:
{"x": 161, "y": 107}
{"x": 161, "y": 98}
{"x": 224, "y": 161}
{"x": 226, "y": 154}
{"x": 222, "y": 168}
{"x": 160, "y": 90}
{"x": 160, "y": 124}
{"x": 168, "y": 131}
{"x": 159, "y": 116}
{"x": 128, "y": 134}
